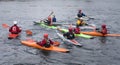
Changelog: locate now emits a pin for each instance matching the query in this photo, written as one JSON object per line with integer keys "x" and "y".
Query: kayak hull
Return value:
{"x": 94, "y": 33}
{"x": 51, "y": 48}
{"x": 12, "y": 36}
{"x": 44, "y": 25}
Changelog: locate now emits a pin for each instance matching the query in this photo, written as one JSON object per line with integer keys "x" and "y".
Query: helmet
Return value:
{"x": 81, "y": 18}
{"x": 45, "y": 35}
{"x": 14, "y": 22}
{"x": 103, "y": 25}
{"x": 70, "y": 29}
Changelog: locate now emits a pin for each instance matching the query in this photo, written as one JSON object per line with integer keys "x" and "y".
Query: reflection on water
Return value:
{"x": 44, "y": 56}
{"x": 103, "y": 39}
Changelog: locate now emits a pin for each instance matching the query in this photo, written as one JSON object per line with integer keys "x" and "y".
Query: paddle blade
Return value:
{"x": 29, "y": 39}
{"x": 56, "y": 43}
{"x": 5, "y": 26}
{"x": 28, "y": 32}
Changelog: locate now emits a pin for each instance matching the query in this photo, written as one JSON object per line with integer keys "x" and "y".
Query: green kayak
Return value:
{"x": 44, "y": 25}
{"x": 78, "y": 35}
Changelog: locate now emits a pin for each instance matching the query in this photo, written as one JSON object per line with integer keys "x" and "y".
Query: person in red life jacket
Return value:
{"x": 69, "y": 35}
{"x": 46, "y": 42}
{"x": 77, "y": 30}
{"x": 80, "y": 14}
{"x": 103, "y": 29}
{"x": 15, "y": 29}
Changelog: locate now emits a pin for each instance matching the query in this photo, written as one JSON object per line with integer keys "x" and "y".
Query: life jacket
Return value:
{"x": 79, "y": 22}
{"x": 15, "y": 29}
{"x": 79, "y": 15}
{"x": 54, "y": 19}
{"x": 77, "y": 30}
{"x": 104, "y": 31}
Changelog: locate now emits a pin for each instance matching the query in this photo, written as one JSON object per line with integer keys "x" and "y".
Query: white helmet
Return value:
{"x": 81, "y": 18}
{"x": 15, "y": 22}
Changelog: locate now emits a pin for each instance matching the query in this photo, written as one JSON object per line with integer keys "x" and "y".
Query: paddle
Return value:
{"x": 28, "y": 32}
{"x": 90, "y": 17}
{"x": 5, "y": 26}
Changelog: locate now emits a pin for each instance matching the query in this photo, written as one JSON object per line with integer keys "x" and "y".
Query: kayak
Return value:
{"x": 74, "y": 42}
{"x": 95, "y": 33}
{"x": 12, "y": 36}
{"x": 51, "y": 48}
{"x": 44, "y": 25}
{"x": 78, "y": 35}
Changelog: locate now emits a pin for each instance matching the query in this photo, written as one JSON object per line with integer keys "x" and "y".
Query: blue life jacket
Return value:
{"x": 54, "y": 19}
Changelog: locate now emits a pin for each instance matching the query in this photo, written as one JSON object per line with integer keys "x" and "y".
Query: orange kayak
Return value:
{"x": 95, "y": 33}
{"x": 12, "y": 36}
{"x": 51, "y": 48}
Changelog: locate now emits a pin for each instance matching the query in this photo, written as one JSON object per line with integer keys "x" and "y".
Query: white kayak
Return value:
{"x": 67, "y": 40}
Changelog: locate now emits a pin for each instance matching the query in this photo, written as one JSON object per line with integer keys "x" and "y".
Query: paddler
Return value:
{"x": 80, "y": 14}
{"x": 69, "y": 35}
{"x": 103, "y": 29}
{"x": 51, "y": 18}
{"x": 15, "y": 29}
{"x": 46, "y": 42}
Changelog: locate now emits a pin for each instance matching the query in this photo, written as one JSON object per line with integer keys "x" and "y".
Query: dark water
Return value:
{"x": 98, "y": 51}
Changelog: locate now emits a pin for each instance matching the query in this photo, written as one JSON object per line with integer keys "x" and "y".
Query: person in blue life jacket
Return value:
{"x": 80, "y": 14}
{"x": 54, "y": 18}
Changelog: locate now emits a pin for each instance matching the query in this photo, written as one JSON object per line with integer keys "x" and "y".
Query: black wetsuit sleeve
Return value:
{"x": 69, "y": 35}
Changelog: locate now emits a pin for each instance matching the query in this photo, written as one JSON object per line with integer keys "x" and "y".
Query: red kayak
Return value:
{"x": 95, "y": 33}
{"x": 12, "y": 36}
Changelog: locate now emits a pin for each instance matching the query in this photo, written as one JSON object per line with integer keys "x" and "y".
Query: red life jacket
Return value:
{"x": 77, "y": 30}
{"x": 43, "y": 42}
{"x": 104, "y": 31}
{"x": 14, "y": 29}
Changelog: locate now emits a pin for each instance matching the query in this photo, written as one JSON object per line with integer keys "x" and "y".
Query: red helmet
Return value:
{"x": 45, "y": 35}
{"x": 103, "y": 26}
{"x": 70, "y": 29}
